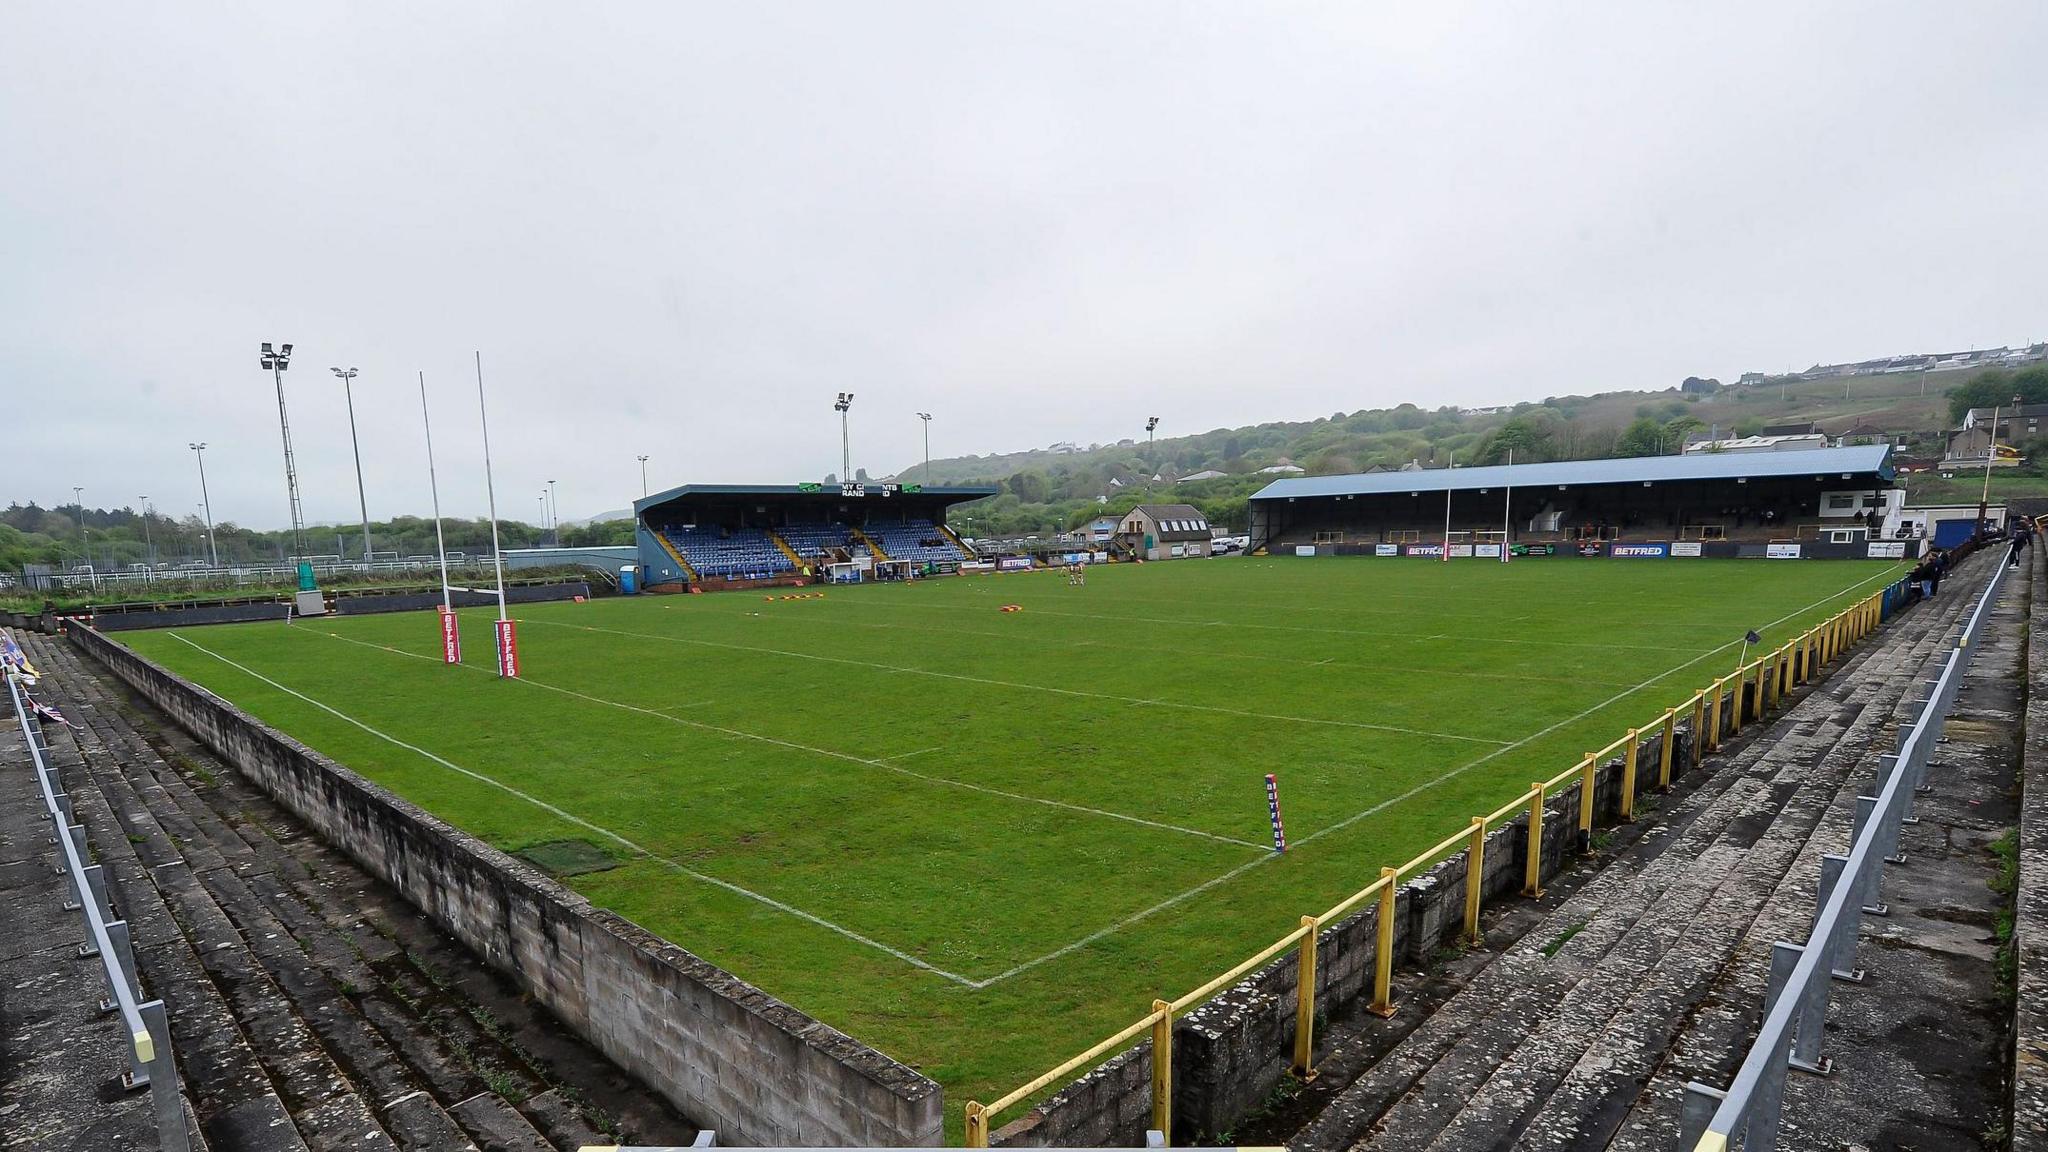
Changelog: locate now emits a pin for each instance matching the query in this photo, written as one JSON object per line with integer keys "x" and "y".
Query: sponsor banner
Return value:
{"x": 1463, "y": 550}
{"x": 1533, "y": 550}
{"x": 977, "y": 566}
{"x": 1639, "y": 551}
{"x": 1686, "y": 548}
{"x": 1487, "y": 550}
{"x": 508, "y": 650}
{"x": 451, "y": 638}
{"x": 1180, "y": 550}
{"x": 1386, "y": 549}
{"x": 1887, "y": 550}
{"x": 1781, "y": 551}
{"x": 1304, "y": 549}
{"x": 1013, "y": 563}
{"x": 1434, "y": 551}
{"x": 1592, "y": 548}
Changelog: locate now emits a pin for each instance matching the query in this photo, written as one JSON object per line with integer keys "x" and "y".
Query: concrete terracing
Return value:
{"x": 1579, "y": 1024}
{"x": 310, "y": 1006}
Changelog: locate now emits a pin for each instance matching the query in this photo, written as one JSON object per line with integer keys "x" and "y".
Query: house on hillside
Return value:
{"x": 1862, "y": 433}
{"x": 1795, "y": 428}
{"x": 1165, "y": 531}
{"x": 1282, "y": 469}
{"x": 2014, "y": 423}
{"x": 1204, "y": 474}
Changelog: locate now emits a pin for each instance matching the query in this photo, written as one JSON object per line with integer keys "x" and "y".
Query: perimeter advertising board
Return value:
{"x": 1887, "y": 550}
{"x": 1433, "y": 551}
{"x": 1386, "y": 549}
{"x": 1686, "y": 548}
{"x": 1781, "y": 551}
{"x": 1639, "y": 551}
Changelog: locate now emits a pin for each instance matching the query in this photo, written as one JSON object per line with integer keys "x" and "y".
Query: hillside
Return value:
{"x": 1055, "y": 489}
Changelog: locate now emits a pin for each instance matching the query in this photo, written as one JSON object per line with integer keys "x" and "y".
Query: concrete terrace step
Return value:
{"x": 232, "y": 1095}
{"x": 324, "y": 1104}
{"x": 59, "y": 1079}
{"x": 1964, "y": 813}
{"x": 435, "y": 1041}
{"x": 1595, "y": 978}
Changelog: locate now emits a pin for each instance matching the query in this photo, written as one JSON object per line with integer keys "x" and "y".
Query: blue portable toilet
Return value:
{"x": 629, "y": 580}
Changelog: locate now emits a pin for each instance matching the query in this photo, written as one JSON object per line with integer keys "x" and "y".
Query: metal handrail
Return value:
{"x": 150, "y": 1062}
{"x": 1796, "y": 1003}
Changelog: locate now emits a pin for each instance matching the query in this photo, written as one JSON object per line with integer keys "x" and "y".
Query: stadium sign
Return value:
{"x": 1532, "y": 550}
{"x": 1686, "y": 548}
{"x": 1435, "y": 551}
{"x": 853, "y": 490}
{"x": 1304, "y": 549}
{"x": 1486, "y": 551}
{"x": 1462, "y": 550}
{"x": 1781, "y": 551}
{"x": 1386, "y": 549}
{"x": 810, "y": 486}
{"x": 1887, "y": 550}
{"x": 1592, "y": 548}
{"x": 1639, "y": 551}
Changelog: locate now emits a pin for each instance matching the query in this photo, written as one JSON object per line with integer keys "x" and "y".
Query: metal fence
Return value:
{"x": 1757, "y": 687}
{"x": 1796, "y": 1005}
{"x": 150, "y": 1062}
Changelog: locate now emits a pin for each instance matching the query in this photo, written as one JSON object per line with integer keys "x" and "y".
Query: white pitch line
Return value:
{"x": 1171, "y": 901}
{"x": 580, "y": 822}
{"x": 872, "y": 762}
{"x": 1384, "y": 635}
{"x": 1076, "y": 692}
{"x": 1212, "y": 653}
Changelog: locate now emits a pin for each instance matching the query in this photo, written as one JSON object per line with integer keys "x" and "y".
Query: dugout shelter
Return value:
{"x": 1818, "y": 502}
{"x": 731, "y": 535}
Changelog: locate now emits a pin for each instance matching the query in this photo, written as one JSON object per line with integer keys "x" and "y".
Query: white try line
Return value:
{"x": 1410, "y": 794}
{"x": 882, "y": 762}
{"x": 580, "y": 822}
{"x": 993, "y": 683}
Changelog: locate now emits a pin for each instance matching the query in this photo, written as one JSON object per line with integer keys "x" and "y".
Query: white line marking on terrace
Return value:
{"x": 580, "y": 822}
{"x": 872, "y": 762}
{"x": 1171, "y": 901}
{"x": 1029, "y": 687}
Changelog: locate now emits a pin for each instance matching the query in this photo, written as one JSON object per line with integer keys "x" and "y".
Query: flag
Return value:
{"x": 11, "y": 656}
{"x": 1752, "y": 637}
{"x": 44, "y": 711}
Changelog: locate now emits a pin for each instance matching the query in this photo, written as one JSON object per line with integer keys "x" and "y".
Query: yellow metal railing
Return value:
{"x": 1762, "y": 681}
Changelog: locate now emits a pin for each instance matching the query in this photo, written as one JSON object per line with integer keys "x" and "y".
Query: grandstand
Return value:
{"x": 722, "y": 536}
{"x": 1826, "y": 502}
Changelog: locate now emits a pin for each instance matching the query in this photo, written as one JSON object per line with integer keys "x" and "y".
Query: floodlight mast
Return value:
{"x": 840, "y": 406}
{"x": 643, "y": 477}
{"x": 276, "y": 362}
{"x": 927, "y": 418}
{"x": 212, "y": 547}
{"x": 362, "y": 502}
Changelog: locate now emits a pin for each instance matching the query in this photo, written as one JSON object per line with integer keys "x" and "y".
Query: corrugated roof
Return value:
{"x": 1860, "y": 460}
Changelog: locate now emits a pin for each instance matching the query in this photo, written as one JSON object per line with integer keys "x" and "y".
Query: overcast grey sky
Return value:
{"x": 679, "y": 229}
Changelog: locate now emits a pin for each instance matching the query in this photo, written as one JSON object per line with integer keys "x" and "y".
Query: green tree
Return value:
{"x": 1998, "y": 387}
{"x": 1644, "y": 437}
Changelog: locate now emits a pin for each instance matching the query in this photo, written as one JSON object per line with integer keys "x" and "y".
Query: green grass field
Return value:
{"x": 981, "y": 840}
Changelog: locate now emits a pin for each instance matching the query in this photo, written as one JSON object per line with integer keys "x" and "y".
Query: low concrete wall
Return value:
{"x": 422, "y": 601}
{"x": 2030, "y": 918}
{"x": 729, "y": 1056}
{"x": 184, "y": 617}
{"x": 1230, "y": 1053}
